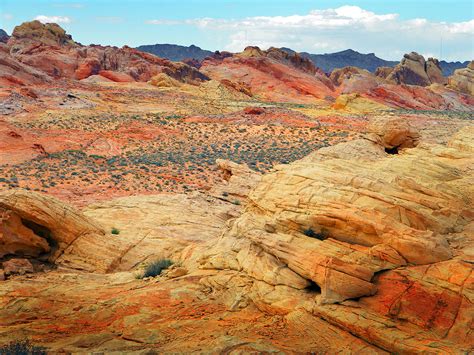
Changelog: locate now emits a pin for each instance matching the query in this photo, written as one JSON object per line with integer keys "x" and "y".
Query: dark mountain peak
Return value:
{"x": 347, "y": 51}
{"x": 3, "y": 36}
{"x": 176, "y": 52}
{"x": 349, "y": 57}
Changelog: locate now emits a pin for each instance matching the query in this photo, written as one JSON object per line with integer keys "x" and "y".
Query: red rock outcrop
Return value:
{"x": 48, "y": 49}
{"x": 271, "y": 75}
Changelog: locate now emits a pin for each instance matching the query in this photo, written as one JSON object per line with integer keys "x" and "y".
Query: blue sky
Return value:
{"x": 388, "y": 28}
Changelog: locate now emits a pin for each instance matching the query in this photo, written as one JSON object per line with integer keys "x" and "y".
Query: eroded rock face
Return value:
{"x": 47, "y": 48}
{"x": 335, "y": 221}
{"x": 271, "y": 75}
{"x": 17, "y": 267}
{"x": 463, "y": 79}
{"x": 37, "y": 224}
{"x": 393, "y": 133}
{"x": 35, "y": 31}
{"x": 239, "y": 180}
{"x": 415, "y": 70}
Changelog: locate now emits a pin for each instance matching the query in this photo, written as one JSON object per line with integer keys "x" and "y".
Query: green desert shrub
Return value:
{"x": 317, "y": 235}
{"x": 22, "y": 347}
{"x": 115, "y": 231}
{"x": 156, "y": 267}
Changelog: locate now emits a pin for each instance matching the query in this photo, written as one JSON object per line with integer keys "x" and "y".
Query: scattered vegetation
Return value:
{"x": 115, "y": 231}
{"x": 156, "y": 267}
{"x": 323, "y": 234}
{"x": 22, "y": 347}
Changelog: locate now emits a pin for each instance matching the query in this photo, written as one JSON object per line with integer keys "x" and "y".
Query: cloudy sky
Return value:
{"x": 439, "y": 28}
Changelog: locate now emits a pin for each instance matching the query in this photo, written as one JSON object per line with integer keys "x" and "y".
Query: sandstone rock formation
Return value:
{"x": 331, "y": 220}
{"x": 463, "y": 79}
{"x": 270, "y": 75}
{"x": 33, "y": 32}
{"x": 48, "y": 49}
{"x": 40, "y": 226}
{"x": 371, "y": 251}
{"x": 362, "y": 91}
{"x": 239, "y": 181}
{"x": 414, "y": 70}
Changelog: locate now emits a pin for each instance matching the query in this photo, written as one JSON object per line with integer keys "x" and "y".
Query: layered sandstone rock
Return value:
{"x": 35, "y": 31}
{"x": 41, "y": 227}
{"x": 270, "y": 75}
{"x": 333, "y": 221}
{"x": 239, "y": 180}
{"x": 336, "y": 220}
{"x": 463, "y": 79}
{"x": 48, "y": 49}
{"x": 38, "y": 225}
{"x": 371, "y": 251}
{"x": 415, "y": 70}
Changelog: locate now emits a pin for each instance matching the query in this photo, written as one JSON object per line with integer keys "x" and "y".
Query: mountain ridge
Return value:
{"x": 326, "y": 61}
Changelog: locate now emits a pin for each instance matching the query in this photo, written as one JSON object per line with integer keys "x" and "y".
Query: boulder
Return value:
{"x": 17, "y": 267}
{"x": 393, "y": 133}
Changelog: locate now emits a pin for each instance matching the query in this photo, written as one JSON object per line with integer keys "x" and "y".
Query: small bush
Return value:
{"x": 312, "y": 234}
{"x": 22, "y": 347}
{"x": 115, "y": 231}
{"x": 156, "y": 267}
{"x": 236, "y": 202}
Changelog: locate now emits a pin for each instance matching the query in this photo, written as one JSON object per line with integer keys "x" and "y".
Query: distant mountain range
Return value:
{"x": 327, "y": 62}
{"x": 175, "y": 52}
{"x": 330, "y": 61}
{"x": 448, "y": 68}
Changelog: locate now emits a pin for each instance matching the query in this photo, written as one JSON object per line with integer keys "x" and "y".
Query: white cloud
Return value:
{"x": 51, "y": 19}
{"x": 7, "y": 17}
{"x": 164, "y": 22}
{"x": 340, "y": 28}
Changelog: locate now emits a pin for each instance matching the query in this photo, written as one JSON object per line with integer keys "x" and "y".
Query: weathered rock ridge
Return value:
{"x": 463, "y": 79}
{"x": 49, "y": 49}
{"x": 415, "y": 70}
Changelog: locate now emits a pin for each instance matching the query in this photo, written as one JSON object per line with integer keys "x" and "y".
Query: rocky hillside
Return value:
{"x": 366, "y": 246}
{"x": 37, "y": 51}
{"x": 175, "y": 52}
{"x": 272, "y": 75}
{"x": 463, "y": 79}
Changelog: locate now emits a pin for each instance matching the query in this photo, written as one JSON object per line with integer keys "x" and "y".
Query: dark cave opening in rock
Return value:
{"x": 392, "y": 151}
{"x": 313, "y": 287}
{"x": 42, "y": 232}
